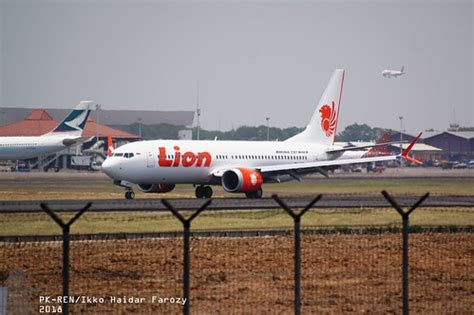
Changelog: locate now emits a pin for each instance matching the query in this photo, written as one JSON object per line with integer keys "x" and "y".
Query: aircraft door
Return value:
{"x": 150, "y": 160}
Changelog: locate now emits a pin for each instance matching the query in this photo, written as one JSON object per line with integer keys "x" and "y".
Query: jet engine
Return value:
{"x": 241, "y": 180}
{"x": 156, "y": 188}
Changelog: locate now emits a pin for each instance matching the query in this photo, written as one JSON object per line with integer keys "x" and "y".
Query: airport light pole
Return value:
{"x": 268, "y": 128}
{"x": 98, "y": 107}
{"x": 198, "y": 113}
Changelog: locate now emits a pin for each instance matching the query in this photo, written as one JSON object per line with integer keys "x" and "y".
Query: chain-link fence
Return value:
{"x": 341, "y": 273}
{"x": 350, "y": 270}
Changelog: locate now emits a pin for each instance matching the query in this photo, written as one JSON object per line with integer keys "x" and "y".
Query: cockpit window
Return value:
{"x": 118, "y": 154}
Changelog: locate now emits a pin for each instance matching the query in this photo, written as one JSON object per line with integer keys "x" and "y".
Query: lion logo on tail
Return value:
{"x": 328, "y": 119}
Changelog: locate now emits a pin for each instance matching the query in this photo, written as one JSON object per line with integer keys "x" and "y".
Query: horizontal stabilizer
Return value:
{"x": 71, "y": 141}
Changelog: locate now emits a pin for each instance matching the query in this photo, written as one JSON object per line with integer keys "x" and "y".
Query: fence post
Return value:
{"x": 186, "y": 249}
{"x": 66, "y": 228}
{"x": 405, "y": 231}
{"x": 297, "y": 236}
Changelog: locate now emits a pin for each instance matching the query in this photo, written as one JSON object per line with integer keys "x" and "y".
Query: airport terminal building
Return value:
{"x": 100, "y": 125}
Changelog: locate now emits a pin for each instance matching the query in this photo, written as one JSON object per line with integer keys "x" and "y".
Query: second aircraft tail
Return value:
{"x": 75, "y": 121}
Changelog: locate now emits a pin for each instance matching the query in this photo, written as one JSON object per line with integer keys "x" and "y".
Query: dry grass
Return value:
{"x": 340, "y": 274}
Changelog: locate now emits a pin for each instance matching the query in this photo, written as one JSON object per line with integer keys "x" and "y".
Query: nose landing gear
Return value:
{"x": 129, "y": 194}
{"x": 203, "y": 192}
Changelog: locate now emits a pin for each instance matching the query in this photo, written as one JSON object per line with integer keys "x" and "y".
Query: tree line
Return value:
{"x": 354, "y": 132}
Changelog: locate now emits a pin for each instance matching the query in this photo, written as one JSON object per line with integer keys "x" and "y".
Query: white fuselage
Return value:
{"x": 181, "y": 161}
{"x": 392, "y": 73}
{"x": 20, "y": 148}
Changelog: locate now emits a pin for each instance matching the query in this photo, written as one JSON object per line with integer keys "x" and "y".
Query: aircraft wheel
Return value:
{"x": 207, "y": 190}
{"x": 129, "y": 195}
{"x": 254, "y": 194}
{"x": 200, "y": 192}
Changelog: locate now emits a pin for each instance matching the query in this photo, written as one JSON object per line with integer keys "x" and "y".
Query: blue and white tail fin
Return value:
{"x": 73, "y": 124}
{"x": 323, "y": 125}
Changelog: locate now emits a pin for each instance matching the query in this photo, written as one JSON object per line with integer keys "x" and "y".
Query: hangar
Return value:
{"x": 108, "y": 117}
{"x": 456, "y": 144}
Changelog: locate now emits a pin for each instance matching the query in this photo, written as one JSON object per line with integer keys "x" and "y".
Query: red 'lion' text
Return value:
{"x": 186, "y": 159}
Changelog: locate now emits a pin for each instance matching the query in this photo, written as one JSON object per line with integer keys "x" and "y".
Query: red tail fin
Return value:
{"x": 380, "y": 150}
{"x": 408, "y": 149}
{"x": 110, "y": 146}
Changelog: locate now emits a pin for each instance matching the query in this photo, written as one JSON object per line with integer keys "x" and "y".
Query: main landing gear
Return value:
{"x": 254, "y": 194}
{"x": 203, "y": 192}
{"x": 129, "y": 194}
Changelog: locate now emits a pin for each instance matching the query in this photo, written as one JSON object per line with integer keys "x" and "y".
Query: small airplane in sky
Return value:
{"x": 156, "y": 166}
{"x": 393, "y": 73}
{"x": 67, "y": 133}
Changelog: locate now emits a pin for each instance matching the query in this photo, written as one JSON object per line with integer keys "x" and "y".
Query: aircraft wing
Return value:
{"x": 364, "y": 147}
{"x": 295, "y": 168}
{"x": 289, "y": 168}
{"x": 314, "y": 165}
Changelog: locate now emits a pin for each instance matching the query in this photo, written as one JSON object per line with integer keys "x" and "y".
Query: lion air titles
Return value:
{"x": 187, "y": 159}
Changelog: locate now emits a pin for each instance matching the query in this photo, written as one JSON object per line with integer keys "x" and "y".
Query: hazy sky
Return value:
{"x": 252, "y": 59}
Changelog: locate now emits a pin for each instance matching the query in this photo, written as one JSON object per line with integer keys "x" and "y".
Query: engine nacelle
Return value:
{"x": 155, "y": 188}
{"x": 241, "y": 180}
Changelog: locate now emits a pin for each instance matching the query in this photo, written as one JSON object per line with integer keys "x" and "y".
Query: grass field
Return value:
{"x": 97, "y": 186}
{"x": 115, "y": 222}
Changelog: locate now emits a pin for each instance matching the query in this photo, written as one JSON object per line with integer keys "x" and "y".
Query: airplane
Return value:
{"x": 67, "y": 133}
{"x": 156, "y": 166}
{"x": 393, "y": 73}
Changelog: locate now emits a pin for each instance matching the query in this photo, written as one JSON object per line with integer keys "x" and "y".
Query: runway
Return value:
{"x": 327, "y": 202}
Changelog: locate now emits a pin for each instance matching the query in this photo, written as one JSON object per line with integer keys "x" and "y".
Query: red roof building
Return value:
{"x": 39, "y": 122}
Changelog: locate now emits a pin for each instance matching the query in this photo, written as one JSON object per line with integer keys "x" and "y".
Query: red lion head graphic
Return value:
{"x": 328, "y": 118}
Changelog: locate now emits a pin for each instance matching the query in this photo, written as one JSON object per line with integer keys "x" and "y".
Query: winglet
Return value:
{"x": 408, "y": 149}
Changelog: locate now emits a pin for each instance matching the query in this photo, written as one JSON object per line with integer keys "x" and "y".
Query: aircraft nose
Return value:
{"x": 111, "y": 167}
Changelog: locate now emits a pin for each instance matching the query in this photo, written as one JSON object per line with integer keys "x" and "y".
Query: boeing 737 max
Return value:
{"x": 68, "y": 132}
{"x": 239, "y": 166}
